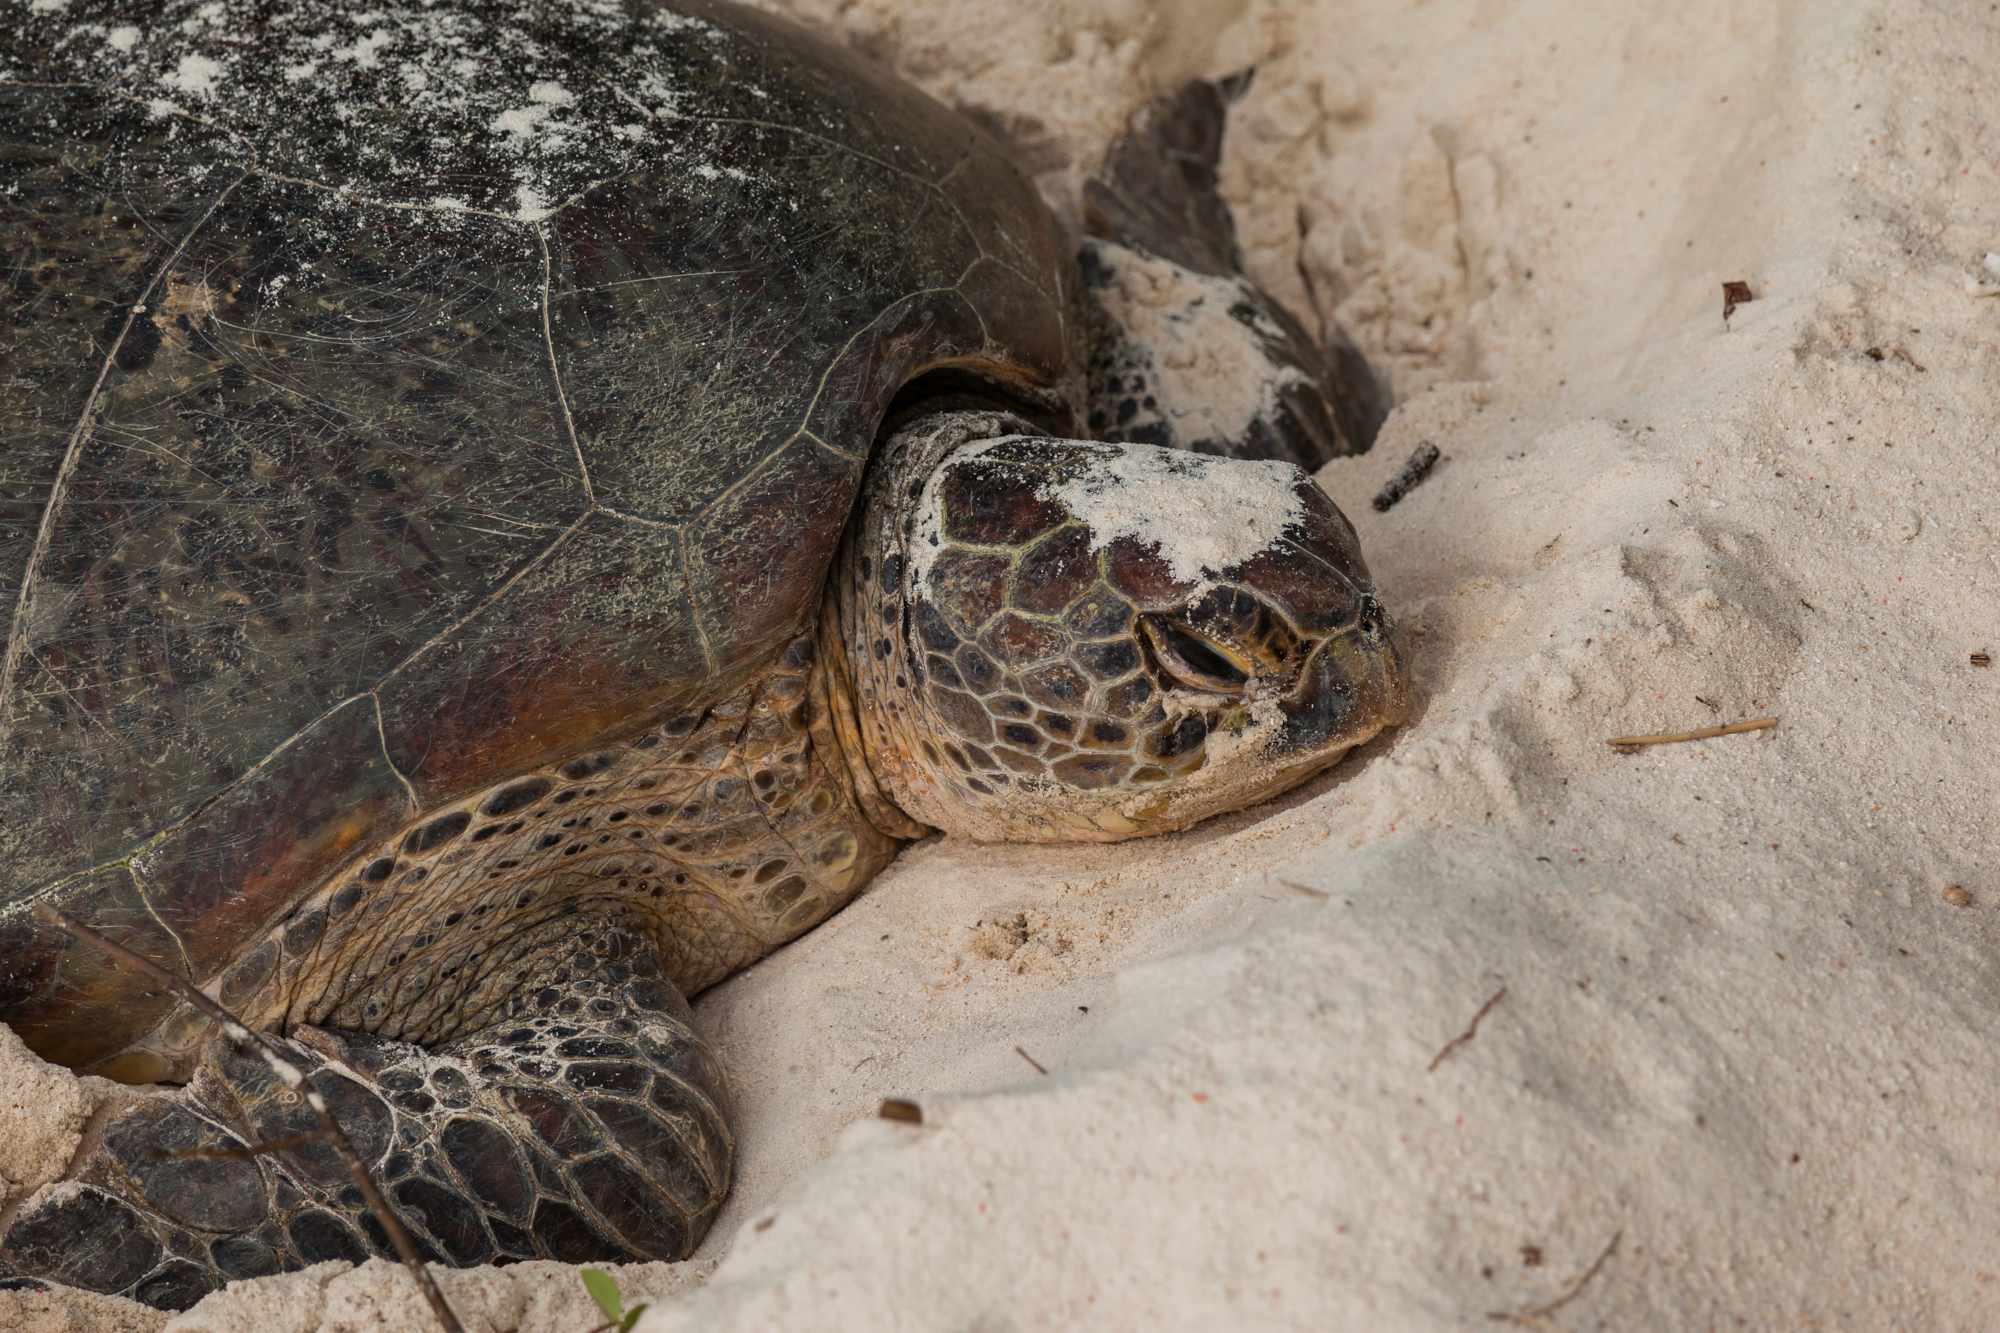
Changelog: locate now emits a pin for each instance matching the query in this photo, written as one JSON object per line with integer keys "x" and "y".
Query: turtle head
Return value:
{"x": 1052, "y": 640}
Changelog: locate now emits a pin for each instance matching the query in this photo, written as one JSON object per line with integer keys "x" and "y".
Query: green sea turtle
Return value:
{"x": 510, "y": 512}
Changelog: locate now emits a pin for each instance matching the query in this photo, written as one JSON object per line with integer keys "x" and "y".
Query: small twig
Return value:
{"x": 1471, "y": 1030}
{"x": 1672, "y": 738}
{"x": 292, "y": 1077}
{"x": 1538, "y": 1317}
{"x": 1031, "y": 1060}
{"x": 241, "y": 1154}
{"x": 1576, "y": 1287}
{"x": 1414, "y": 469}
{"x": 1306, "y": 889}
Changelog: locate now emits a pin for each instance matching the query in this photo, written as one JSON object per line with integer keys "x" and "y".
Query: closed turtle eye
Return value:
{"x": 1193, "y": 660}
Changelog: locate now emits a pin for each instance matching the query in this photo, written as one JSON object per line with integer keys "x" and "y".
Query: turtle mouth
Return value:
{"x": 1356, "y": 683}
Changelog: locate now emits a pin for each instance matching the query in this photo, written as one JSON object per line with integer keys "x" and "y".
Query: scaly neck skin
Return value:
{"x": 721, "y": 834}
{"x": 868, "y": 595}
{"x": 837, "y": 727}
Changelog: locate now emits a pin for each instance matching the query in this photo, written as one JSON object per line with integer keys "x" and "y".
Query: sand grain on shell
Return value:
{"x": 1201, "y": 515}
{"x": 1743, "y": 1031}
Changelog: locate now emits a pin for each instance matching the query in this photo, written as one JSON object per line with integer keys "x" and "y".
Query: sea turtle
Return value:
{"x": 511, "y": 511}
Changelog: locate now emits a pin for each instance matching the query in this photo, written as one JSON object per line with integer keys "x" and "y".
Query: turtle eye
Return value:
{"x": 1192, "y": 660}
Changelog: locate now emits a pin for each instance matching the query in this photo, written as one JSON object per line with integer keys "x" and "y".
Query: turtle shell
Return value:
{"x": 396, "y": 399}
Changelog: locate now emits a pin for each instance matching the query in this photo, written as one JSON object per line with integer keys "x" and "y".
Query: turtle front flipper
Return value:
{"x": 1186, "y": 351}
{"x": 586, "y": 1124}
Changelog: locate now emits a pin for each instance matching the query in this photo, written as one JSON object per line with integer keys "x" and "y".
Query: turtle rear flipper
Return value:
{"x": 587, "y": 1126}
{"x": 1186, "y": 351}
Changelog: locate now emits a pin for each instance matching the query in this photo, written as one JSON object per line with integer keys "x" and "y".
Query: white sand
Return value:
{"x": 1212, "y": 370}
{"x": 1743, "y": 1029}
{"x": 1202, "y": 515}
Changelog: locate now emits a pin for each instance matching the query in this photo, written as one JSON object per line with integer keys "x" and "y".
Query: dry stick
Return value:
{"x": 1471, "y": 1030}
{"x": 1539, "y": 1316}
{"x": 1754, "y": 724}
{"x": 1527, "y": 1321}
{"x": 1414, "y": 469}
{"x": 241, "y": 1154}
{"x": 1031, "y": 1060}
{"x": 293, "y": 1078}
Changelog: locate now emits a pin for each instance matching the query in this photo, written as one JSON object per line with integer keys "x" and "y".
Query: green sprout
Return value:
{"x": 603, "y": 1289}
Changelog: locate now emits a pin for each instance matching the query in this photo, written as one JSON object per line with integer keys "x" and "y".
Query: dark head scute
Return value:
{"x": 1055, "y": 571}
{"x": 986, "y": 503}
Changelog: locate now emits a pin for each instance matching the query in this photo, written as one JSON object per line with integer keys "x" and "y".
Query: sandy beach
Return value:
{"x": 1491, "y": 1022}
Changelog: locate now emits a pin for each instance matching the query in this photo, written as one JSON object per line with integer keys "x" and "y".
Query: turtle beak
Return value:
{"x": 1356, "y": 683}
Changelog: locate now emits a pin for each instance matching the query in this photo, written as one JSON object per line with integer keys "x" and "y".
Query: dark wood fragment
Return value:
{"x": 1735, "y": 294}
{"x": 1414, "y": 469}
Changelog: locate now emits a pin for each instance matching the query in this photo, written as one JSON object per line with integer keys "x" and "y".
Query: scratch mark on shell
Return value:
{"x": 382, "y": 735}
{"x": 555, "y": 367}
